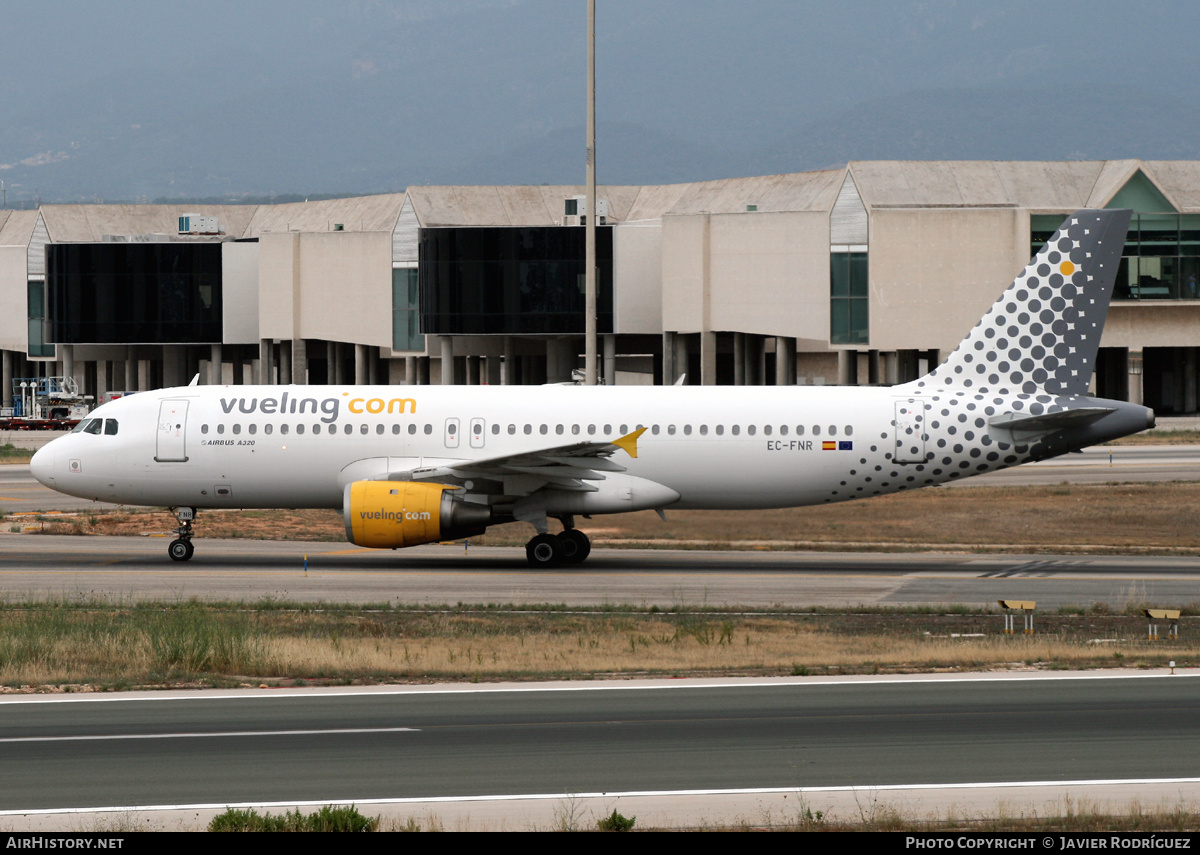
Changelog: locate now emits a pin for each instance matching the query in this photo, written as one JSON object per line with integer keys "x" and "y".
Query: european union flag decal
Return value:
{"x": 846, "y": 445}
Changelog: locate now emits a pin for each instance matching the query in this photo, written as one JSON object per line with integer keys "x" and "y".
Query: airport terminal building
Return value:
{"x": 865, "y": 274}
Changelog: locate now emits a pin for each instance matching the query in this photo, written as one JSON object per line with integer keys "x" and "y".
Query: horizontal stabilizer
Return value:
{"x": 1023, "y": 427}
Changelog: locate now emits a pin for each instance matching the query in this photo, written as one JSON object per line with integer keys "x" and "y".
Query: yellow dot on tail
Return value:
{"x": 1067, "y": 268}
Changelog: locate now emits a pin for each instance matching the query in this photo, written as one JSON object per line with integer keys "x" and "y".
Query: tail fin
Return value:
{"x": 1043, "y": 332}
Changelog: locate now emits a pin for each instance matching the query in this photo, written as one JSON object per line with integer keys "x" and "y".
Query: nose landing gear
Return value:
{"x": 181, "y": 549}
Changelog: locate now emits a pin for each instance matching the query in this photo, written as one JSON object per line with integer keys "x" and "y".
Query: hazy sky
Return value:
{"x": 131, "y": 98}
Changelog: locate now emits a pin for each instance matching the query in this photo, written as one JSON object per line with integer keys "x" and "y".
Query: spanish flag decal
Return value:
{"x": 836, "y": 445}
{"x": 829, "y": 445}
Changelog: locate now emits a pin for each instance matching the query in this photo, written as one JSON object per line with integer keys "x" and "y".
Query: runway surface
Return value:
{"x": 439, "y": 743}
{"x": 137, "y": 568}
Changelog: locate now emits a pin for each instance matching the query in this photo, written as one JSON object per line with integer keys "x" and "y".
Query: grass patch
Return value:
{"x": 327, "y": 818}
{"x": 11, "y": 454}
{"x": 65, "y": 647}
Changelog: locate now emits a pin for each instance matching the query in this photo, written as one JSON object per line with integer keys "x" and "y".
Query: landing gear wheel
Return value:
{"x": 575, "y": 546}
{"x": 544, "y": 551}
{"x": 180, "y": 550}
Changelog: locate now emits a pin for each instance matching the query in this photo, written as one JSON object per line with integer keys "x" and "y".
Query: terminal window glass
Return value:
{"x": 39, "y": 333}
{"x": 406, "y": 331}
{"x": 1161, "y": 260}
{"x": 848, "y": 298}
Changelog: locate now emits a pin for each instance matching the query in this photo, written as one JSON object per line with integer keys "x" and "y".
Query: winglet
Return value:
{"x": 629, "y": 442}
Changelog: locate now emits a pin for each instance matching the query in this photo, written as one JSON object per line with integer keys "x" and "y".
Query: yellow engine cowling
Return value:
{"x": 393, "y": 514}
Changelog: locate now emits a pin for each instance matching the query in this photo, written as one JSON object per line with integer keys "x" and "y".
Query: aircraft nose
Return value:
{"x": 42, "y": 466}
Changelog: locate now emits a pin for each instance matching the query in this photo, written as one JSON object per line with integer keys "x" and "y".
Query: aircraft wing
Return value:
{"x": 563, "y": 467}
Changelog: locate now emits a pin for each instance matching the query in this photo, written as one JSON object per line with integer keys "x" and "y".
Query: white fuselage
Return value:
{"x": 716, "y": 447}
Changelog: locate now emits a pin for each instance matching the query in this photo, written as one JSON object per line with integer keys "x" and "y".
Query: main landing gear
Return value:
{"x": 181, "y": 548}
{"x": 570, "y": 546}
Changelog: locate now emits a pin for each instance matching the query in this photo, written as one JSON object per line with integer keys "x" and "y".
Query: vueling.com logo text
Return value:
{"x": 327, "y": 407}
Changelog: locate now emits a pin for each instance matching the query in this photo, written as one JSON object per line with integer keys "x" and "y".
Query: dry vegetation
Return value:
{"x": 100, "y": 646}
{"x": 1160, "y": 517}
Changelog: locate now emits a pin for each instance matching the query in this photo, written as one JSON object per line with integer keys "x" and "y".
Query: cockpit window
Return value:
{"x": 79, "y": 427}
{"x": 93, "y": 426}
{"x": 110, "y": 427}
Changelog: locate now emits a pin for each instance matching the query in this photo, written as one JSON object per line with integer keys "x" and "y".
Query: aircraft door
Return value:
{"x": 477, "y": 433}
{"x": 172, "y": 427}
{"x": 909, "y": 446}
{"x": 451, "y": 433}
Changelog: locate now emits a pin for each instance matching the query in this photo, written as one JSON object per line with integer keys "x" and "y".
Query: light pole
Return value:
{"x": 589, "y": 273}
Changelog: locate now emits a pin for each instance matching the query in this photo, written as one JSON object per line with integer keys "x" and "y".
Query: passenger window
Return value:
{"x": 766, "y": 430}
{"x": 783, "y": 430}
{"x": 543, "y": 430}
{"x": 316, "y": 429}
{"x": 654, "y": 430}
{"x": 750, "y": 429}
{"x": 735, "y": 429}
{"x": 816, "y": 430}
{"x": 361, "y": 429}
{"x": 252, "y": 429}
{"x": 704, "y": 430}
{"x": 624, "y": 430}
{"x": 575, "y": 430}
{"x": 528, "y": 429}
{"x": 428, "y": 429}
{"x": 267, "y": 428}
{"x": 93, "y": 426}
{"x": 237, "y": 429}
{"x": 395, "y": 430}
{"x": 299, "y": 430}
{"x": 607, "y": 430}
{"x": 220, "y": 428}
{"x": 412, "y": 429}
{"x": 849, "y": 430}
{"x": 378, "y": 429}
{"x": 833, "y": 430}
{"x": 720, "y": 430}
{"x": 495, "y": 430}
{"x": 558, "y": 429}
{"x": 799, "y": 430}
{"x": 203, "y": 428}
{"x": 591, "y": 430}
{"x": 283, "y": 429}
{"x": 687, "y": 430}
{"x": 670, "y": 430}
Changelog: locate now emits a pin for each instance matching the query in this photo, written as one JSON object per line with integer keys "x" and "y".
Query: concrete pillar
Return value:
{"x": 143, "y": 375}
{"x": 1134, "y": 367}
{"x": 512, "y": 373}
{"x": 214, "y": 366}
{"x": 783, "y": 358}
{"x": 6, "y": 378}
{"x": 285, "y": 362}
{"x": 174, "y": 357}
{"x": 847, "y": 367}
{"x": 708, "y": 358}
{"x": 447, "y": 359}
{"x": 67, "y": 352}
{"x": 103, "y": 378}
{"x": 265, "y": 375}
{"x": 299, "y": 361}
{"x": 739, "y": 359}
{"x": 411, "y": 367}
{"x": 891, "y": 367}
{"x": 610, "y": 360}
{"x": 361, "y": 372}
{"x": 130, "y": 370}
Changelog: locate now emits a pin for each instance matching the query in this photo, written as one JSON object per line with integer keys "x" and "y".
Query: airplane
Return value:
{"x": 418, "y": 464}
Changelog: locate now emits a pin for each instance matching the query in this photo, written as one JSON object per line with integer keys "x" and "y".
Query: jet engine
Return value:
{"x": 392, "y": 514}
